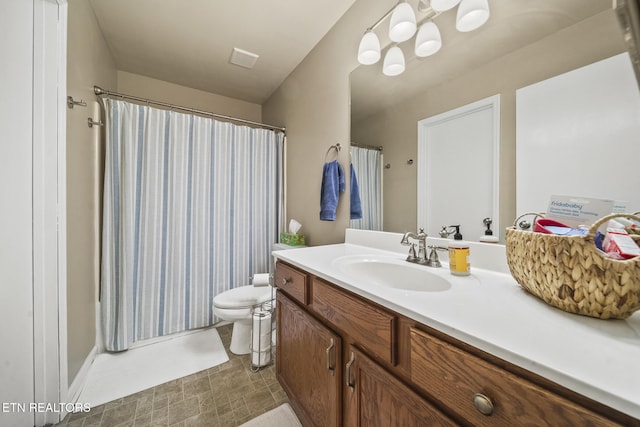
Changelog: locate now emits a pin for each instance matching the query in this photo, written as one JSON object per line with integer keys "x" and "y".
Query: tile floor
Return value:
{"x": 225, "y": 395}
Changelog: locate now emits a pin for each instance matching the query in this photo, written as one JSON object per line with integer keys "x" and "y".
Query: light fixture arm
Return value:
{"x": 382, "y": 18}
{"x": 430, "y": 14}
{"x": 429, "y": 17}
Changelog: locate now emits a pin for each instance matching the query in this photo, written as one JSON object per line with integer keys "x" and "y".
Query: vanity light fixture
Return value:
{"x": 442, "y": 5}
{"x": 424, "y": 5}
{"x": 471, "y": 15}
{"x": 393, "y": 62}
{"x": 403, "y": 23}
{"x": 428, "y": 40}
{"x": 369, "y": 49}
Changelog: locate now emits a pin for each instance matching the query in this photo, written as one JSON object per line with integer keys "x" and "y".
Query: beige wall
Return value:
{"x": 158, "y": 90}
{"x": 89, "y": 63}
{"x": 589, "y": 41}
{"x": 313, "y": 104}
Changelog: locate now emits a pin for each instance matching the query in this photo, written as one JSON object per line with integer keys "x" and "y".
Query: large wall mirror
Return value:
{"x": 523, "y": 43}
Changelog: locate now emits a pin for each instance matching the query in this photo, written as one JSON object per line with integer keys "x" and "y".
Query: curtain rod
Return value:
{"x": 99, "y": 91}
{"x": 368, "y": 147}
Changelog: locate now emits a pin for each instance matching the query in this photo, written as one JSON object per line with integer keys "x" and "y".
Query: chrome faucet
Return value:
{"x": 421, "y": 237}
{"x": 433, "y": 260}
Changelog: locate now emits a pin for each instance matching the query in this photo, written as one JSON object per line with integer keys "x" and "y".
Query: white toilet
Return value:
{"x": 235, "y": 306}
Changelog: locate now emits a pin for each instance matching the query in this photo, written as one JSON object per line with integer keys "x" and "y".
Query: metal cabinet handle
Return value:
{"x": 483, "y": 404}
{"x": 351, "y": 385}
{"x": 285, "y": 281}
{"x": 329, "y": 365}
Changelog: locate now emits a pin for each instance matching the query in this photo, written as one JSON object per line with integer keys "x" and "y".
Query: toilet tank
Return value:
{"x": 280, "y": 247}
{"x": 283, "y": 246}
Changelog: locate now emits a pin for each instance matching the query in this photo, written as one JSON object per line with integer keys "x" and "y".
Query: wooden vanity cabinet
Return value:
{"x": 485, "y": 395}
{"x": 308, "y": 356}
{"x": 344, "y": 360}
{"x": 374, "y": 397}
{"x": 311, "y": 359}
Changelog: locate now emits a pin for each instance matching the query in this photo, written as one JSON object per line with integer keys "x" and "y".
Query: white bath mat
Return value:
{"x": 282, "y": 416}
{"x": 116, "y": 375}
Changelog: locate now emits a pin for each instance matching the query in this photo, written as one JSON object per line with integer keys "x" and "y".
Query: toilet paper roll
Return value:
{"x": 261, "y": 338}
{"x": 261, "y": 358}
{"x": 261, "y": 279}
{"x": 261, "y": 343}
{"x": 261, "y": 330}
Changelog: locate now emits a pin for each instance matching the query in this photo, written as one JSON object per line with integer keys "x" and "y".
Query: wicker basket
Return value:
{"x": 570, "y": 273}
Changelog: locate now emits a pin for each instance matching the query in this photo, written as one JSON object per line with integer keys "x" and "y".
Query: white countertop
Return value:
{"x": 597, "y": 358}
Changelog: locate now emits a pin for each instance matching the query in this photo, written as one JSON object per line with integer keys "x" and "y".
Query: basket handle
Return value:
{"x": 535, "y": 214}
{"x": 594, "y": 227}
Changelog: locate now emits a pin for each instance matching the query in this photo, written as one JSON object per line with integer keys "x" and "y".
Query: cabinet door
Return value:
{"x": 373, "y": 397}
{"x": 307, "y": 364}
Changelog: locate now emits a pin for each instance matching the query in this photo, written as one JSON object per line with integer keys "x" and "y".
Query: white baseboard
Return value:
{"x": 81, "y": 378}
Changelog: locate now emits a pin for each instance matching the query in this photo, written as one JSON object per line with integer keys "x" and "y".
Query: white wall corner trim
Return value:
{"x": 49, "y": 206}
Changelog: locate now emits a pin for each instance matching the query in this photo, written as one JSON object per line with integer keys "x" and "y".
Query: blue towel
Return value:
{"x": 356, "y": 207}
{"x": 332, "y": 185}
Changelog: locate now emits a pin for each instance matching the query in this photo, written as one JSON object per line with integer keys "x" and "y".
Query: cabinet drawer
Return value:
{"x": 454, "y": 376}
{"x": 292, "y": 282}
{"x": 371, "y": 328}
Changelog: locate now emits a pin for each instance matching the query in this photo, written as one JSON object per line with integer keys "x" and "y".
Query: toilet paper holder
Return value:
{"x": 261, "y": 345}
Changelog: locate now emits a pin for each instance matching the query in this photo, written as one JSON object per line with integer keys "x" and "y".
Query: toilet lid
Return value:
{"x": 242, "y": 297}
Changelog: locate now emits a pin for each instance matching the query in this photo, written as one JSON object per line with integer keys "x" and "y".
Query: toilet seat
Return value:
{"x": 242, "y": 297}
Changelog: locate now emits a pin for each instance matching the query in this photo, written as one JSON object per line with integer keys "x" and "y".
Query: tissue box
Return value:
{"x": 292, "y": 239}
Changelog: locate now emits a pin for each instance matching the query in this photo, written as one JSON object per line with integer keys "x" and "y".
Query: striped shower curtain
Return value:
{"x": 367, "y": 164}
{"x": 191, "y": 208}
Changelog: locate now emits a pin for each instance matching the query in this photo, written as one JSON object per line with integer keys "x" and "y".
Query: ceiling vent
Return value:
{"x": 243, "y": 58}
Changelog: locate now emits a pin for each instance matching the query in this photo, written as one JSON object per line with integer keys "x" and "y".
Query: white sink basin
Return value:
{"x": 392, "y": 273}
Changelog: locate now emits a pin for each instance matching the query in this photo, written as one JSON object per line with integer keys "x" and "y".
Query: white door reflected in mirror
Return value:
{"x": 458, "y": 164}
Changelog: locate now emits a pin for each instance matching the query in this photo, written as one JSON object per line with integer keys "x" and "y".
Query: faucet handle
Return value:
{"x": 412, "y": 253}
{"x": 433, "y": 260}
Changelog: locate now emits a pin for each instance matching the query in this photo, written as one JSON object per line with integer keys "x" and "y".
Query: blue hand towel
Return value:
{"x": 356, "y": 207}
{"x": 332, "y": 186}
